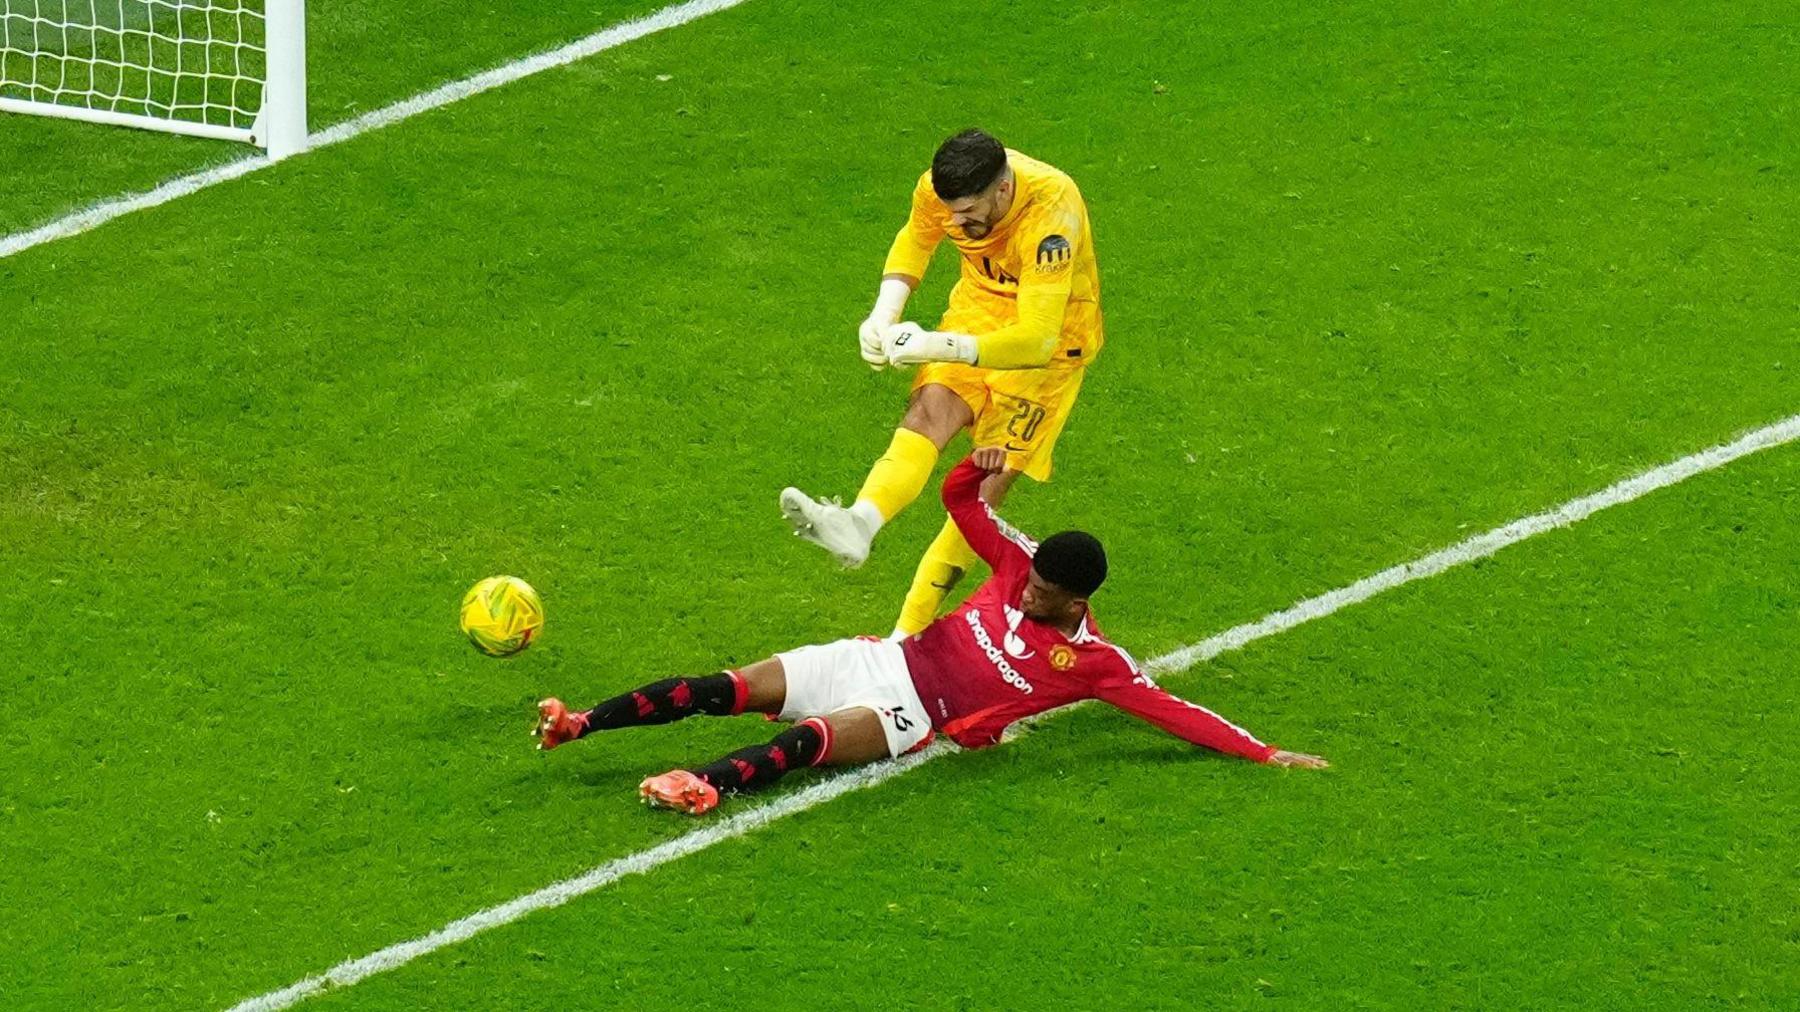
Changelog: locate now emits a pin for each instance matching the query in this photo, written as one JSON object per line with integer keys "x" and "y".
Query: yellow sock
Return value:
{"x": 900, "y": 474}
{"x": 945, "y": 562}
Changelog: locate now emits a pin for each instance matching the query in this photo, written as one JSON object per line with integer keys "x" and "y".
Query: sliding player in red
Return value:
{"x": 1024, "y": 643}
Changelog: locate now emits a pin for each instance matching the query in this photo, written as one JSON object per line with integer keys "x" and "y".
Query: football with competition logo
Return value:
{"x": 501, "y": 615}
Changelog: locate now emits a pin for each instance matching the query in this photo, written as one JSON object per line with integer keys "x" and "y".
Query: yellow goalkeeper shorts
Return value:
{"x": 1021, "y": 409}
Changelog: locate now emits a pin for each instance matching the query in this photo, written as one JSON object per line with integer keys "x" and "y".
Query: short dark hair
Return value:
{"x": 966, "y": 164}
{"x": 1073, "y": 560}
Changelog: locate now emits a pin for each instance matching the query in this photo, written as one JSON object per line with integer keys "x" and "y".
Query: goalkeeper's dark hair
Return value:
{"x": 966, "y": 164}
{"x": 1073, "y": 560}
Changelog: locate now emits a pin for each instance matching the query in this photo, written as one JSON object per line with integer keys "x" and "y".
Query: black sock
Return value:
{"x": 756, "y": 767}
{"x": 671, "y": 699}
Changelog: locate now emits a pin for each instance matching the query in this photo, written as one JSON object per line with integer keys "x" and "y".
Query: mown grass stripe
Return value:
{"x": 1478, "y": 547}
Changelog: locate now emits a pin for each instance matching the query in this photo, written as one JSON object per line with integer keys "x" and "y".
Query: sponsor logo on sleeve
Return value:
{"x": 1054, "y": 254}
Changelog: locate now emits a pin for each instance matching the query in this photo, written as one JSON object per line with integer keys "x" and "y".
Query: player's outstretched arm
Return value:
{"x": 1029, "y": 343}
{"x": 998, "y": 544}
{"x": 908, "y": 257}
{"x": 1045, "y": 287}
{"x": 1131, "y": 691}
{"x": 910, "y": 344}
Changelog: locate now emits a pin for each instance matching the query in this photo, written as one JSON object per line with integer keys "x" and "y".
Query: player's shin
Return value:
{"x": 751, "y": 769}
{"x": 897, "y": 478}
{"x": 720, "y": 695}
{"x": 945, "y": 562}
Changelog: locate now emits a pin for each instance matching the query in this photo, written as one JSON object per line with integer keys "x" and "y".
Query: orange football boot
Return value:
{"x": 680, "y": 790}
{"x": 557, "y": 725}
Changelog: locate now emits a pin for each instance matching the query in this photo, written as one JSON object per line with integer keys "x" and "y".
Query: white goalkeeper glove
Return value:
{"x": 910, "y": 344}
{"x": 869, "y": 343}
{"x": 890, "y": 302}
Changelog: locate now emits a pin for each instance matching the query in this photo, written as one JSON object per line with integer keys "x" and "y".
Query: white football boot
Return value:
{"x": 828, "y": 525}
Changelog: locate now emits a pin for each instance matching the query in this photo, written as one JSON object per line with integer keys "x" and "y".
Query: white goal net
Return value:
{"x": 232, "y": 69}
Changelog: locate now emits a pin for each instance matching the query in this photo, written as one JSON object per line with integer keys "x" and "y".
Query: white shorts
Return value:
{"x": 823, "y": 679}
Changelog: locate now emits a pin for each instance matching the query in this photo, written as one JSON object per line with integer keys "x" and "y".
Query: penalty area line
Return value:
{"x": 1478, "y": 547}
{"x": 94, "y": 216}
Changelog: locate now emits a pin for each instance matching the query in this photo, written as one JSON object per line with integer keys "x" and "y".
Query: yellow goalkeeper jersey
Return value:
{"x": 1033, "y": 272}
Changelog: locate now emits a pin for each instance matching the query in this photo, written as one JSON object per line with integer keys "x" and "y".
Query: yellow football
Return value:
{"x": 501, "y": 615}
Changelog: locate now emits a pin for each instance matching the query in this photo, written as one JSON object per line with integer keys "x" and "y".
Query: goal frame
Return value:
{"x": 280, "y": 126}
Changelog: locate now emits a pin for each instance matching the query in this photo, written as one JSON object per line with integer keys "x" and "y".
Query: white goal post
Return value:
{"x": 228, "y": 69}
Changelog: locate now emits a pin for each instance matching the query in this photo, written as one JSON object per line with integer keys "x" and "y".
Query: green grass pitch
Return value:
{"x": 1375, "y": 279}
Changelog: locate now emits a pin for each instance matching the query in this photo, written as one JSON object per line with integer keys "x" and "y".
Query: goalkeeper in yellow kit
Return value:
{"x": 1006, "y": 361}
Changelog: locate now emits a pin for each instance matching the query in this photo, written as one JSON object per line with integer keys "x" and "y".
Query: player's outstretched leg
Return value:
{"x": 756, "y": 688}
{"x": 944, "y": 564}
{"x": 846, "y": 533}
{"x": 722, "y": 695}
{"x": 935, "y": 415}
{"x": 897, "y": 478}
{"x": 698, "y": 791}
{"x": 849, "y": 737}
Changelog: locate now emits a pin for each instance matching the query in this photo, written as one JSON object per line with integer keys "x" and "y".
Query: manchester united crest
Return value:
{"x": 1062, "y": 657}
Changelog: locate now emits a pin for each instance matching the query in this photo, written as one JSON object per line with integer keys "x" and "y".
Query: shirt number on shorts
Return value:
{"x": 901, "y": 722}
{"x": 1024, "y": 423}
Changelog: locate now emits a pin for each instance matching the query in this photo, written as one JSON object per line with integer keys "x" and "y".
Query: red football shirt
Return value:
{"x": 986, "y": 665}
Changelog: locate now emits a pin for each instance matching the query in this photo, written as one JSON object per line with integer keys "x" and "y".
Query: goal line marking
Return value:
{"x": 1478, "y": 547}
{"x": 94, "y": 216}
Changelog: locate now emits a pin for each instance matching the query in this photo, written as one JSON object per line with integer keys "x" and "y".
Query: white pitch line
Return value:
{"x": 1483, "y": 545}
{"x": 1478, "y": 547}
{"x": 608, "y": 38}
{"x": 347, "y": 973}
